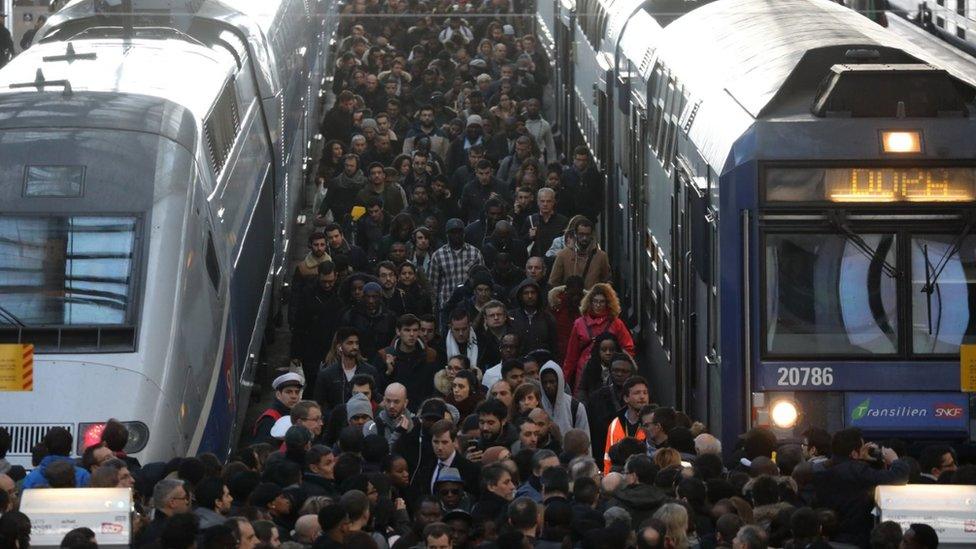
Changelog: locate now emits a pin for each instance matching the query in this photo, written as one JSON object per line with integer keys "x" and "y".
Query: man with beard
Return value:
{"x": 479, "y": 190}
{"x": 388, "y": 195}
{"x": 408, "y": 361}
{"x": 394, "y": 419}
{"x": 585, "y": 259}
{"x": 585, "y": 177}
{"x": 393, "y": 298}
{"x": 381, "y": 151}
{"x": 339, "y": 246}
{"x": 494, "y": 427}
{"x": 443, "y": 199}
{"x": 477, "y": 232}
{"x": 375, "y": 323}
{"x": 341, "y": 191}
{"x": 307, "y": 269}
{"x": 333, "y": 386}
{"x": 420, "y": 173}
{"x": 337, "y": 123}
{"x": 315, "y": 317}
{"x": 627, "y": 422}
{"x": 425, "y": 127}
{"x": 510, "y": 165}
{"x": 473, "y": 135}
{"x": 420, "y": 208}
{"x": 535, "y": 325}
{"x": 505, "y": 273}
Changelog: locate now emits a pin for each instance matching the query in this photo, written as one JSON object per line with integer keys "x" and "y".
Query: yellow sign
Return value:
{"x": 900, "y": 185}
{"x": 16, "y": 367}
{"x": 967, "y": 368}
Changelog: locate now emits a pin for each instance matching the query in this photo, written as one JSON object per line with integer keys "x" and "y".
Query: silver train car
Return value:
{"x": 151, "y": 166}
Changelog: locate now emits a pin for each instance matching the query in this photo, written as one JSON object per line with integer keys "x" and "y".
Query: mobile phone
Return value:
{"x": 472, "y": 444}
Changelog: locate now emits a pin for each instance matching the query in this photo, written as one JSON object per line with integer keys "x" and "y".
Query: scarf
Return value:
{"x": 454, "y": 349}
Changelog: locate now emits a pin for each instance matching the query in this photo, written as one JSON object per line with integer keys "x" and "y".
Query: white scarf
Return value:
{"x": 454, "y": 349}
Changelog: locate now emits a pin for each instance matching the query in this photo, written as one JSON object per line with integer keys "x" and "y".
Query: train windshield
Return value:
{"x": 827, "y": 295}
{"x": 943, "y": 292}
{"x": 66, "y": 270}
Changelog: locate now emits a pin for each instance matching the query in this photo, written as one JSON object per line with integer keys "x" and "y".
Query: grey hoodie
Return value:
{"x": 561, "y": 411}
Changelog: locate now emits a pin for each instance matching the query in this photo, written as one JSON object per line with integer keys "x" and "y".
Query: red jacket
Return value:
{"x": 565, "y": 316}
{"x": 585, "y": 330}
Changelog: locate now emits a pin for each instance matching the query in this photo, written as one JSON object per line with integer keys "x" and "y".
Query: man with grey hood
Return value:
{"x": 566, "y": 412}
{"x": 395, "y": 418}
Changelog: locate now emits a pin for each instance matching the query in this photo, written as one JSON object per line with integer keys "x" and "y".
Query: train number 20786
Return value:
{"x": 803, "y": 376}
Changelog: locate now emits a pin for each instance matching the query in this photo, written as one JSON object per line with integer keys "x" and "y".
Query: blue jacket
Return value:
{"x": 36, "y": 479}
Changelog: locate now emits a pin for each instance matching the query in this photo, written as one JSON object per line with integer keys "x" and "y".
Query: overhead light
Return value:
{"x": 901, "y": 142}
{"x": 784, "y": 414}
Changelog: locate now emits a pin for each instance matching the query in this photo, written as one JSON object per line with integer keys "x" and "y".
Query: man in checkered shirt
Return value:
{"x": 451, "y": 263}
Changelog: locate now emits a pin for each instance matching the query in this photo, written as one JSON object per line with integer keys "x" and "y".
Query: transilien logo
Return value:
{"x": 861, "y": 409}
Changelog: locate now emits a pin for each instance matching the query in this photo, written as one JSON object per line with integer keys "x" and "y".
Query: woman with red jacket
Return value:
{"x": 600, "y": 313}
{"x": 564, "y": 303}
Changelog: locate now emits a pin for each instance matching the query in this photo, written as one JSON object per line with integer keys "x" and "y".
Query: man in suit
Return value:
{"x": 443, "y": 439}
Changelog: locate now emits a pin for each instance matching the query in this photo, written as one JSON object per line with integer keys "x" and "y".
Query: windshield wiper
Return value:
{"x": 838, "y": 221}
{"x": 952, "y": 250}
{"x": 10, "y": 318}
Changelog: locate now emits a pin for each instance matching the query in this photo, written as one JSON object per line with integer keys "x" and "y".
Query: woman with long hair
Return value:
{"x": 596, "y": 371}
{"x": 599, "y": 313}
{"x": 417, "y": 298}
{"x": 423, "y": 247}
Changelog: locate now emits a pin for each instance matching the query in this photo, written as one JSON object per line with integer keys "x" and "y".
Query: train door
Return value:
{"x": 564, "y": 79}
{"x": 680, "y": 295}
{"x": 637, "y": 228}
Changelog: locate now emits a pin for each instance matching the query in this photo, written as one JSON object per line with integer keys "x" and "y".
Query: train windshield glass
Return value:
{"x": 830, "y": 295}
{"x": 66, "y": 271}
{"x": 943, "y": 293}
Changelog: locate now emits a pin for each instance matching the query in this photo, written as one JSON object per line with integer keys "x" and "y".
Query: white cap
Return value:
{"x": 290, "y": 377}
{"x": 281, "y": 426}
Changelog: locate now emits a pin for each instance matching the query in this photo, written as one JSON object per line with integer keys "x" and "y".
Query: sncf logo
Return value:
{"x": 948, "y": 411}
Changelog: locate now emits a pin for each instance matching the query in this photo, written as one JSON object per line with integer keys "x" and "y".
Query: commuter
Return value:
{"x": 600, "y": 313}
{"x": 585, "y": 259}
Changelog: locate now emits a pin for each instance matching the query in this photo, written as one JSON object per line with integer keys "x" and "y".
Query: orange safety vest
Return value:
{"x": 615, "y": 433}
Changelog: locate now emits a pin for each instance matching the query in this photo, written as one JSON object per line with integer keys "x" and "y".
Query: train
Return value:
{"x": 791, "y": 192}
{"x": 153, "y": 158}
{"x": 952, "y": 20}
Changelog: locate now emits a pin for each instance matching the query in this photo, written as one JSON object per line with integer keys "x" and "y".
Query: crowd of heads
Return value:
{"x": 461, "y": 372}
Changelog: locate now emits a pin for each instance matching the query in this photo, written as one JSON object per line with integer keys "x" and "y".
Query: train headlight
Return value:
{"x": 91, "y": 433}
{"x": 784, "y": 413}
{"x": 901, "y": 142}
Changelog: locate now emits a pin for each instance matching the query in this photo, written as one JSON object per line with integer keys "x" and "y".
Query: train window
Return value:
{"x": 68, "y": 270}
{"x": 826, "y": 295}
{"x": 213, "y": 266}
{"x": 222, "y": 126}
{"x": 942, "y": 315}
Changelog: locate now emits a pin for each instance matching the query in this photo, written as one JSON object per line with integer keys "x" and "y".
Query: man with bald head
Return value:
{"x": 8, "y": 485}
{"x": 395, "y": 419}
{"x": 307, "y": 529}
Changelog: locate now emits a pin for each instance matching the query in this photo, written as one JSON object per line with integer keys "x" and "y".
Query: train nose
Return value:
{"x": 78, "y": 395}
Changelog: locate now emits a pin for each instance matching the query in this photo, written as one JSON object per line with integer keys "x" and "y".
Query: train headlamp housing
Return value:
{"x": 784, "y": 413}
{"x": 901, "y": 142}
{"x": 91, "y": 433}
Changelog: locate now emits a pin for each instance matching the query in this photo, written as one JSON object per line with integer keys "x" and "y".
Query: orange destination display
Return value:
{"x": 912, "y": 184}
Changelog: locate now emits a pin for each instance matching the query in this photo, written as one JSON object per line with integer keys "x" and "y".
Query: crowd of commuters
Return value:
{"x": 461, "y": 375}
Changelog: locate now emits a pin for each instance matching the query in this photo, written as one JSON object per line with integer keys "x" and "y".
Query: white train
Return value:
{"x": 151, "y": 165}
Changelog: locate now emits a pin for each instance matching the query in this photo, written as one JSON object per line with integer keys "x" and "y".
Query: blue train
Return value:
{"x": 791, "y": 197}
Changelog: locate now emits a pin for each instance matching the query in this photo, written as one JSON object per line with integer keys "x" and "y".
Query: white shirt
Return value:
{"x": 441, "y": 464}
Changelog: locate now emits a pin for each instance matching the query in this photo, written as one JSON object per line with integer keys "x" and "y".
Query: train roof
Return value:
{"x": 751, "y": 49}
{"x": 173, "y": 70}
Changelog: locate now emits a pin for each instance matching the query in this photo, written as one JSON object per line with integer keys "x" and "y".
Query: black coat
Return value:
{"x": 601, "y": 407}
{"x": 490, "y": 507}
{"x": 337, "y": 124}
{"x": 415, "y": 370}
{"x": 470, "y": 474}
{"x": 847, "y": 486}
{"x": 375, "y": 331}
{"x": 316, "y": 318}
{"x": 332, "y": 388}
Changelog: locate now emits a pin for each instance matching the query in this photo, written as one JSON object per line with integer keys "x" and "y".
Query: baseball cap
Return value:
{"x": 291, "y": 379}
